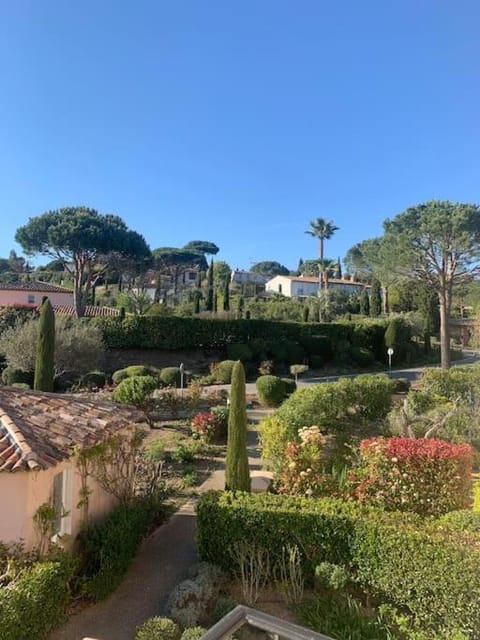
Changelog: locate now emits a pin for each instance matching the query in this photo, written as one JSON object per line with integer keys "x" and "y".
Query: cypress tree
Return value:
{"x": 306, "y": 313}
{"x": 197, "y": 296}
{"x": 226, "y": 295}
{"x": 237, "y": 473}
{"x": 240, "y": 306}
{"x": 45, "y": 358}
{"x": 209, "y": 303}
{"x": 215, "y": 302}
{"x": 364, "y": 303}
{"x": 339, "y": 268}
{"x": 376, "y": 299}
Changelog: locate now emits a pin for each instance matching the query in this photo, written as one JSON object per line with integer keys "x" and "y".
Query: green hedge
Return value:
{"x": 109, "y": 546}
{"x": 154, "y": 332}
{"x": 421, "y": 565}
{"x": 36, "y": 603}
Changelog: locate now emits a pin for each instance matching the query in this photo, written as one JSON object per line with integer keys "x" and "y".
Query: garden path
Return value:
{"x": 164, "y": 560}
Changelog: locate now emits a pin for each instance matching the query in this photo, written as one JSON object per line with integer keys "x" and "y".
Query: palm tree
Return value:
{"x": 323, "y": 230}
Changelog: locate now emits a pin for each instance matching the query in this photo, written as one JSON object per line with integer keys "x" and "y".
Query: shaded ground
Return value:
{"x": 163, "y": 561}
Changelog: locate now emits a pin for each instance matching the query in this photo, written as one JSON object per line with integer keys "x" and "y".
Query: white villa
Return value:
{"x": 304, "y": 286}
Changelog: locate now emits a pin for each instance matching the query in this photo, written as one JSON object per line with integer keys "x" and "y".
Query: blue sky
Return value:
{"x": 238, "y": 121}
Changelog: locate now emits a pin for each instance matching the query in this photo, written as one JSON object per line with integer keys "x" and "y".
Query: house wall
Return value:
{"x": 12, "y": 297}
{"x": 22, "y": 492}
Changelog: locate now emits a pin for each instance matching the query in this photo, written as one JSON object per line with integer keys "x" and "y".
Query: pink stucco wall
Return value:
{"x": 12, "y": 298}
{"x": 22, "y": 492}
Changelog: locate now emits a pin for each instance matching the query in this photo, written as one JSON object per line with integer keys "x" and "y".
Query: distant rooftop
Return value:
{"x": 33, "y": 285}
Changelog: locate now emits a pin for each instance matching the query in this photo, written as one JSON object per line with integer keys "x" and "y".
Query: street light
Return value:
{"x": 182, "y": 374}
{"x": 390, "y": 354}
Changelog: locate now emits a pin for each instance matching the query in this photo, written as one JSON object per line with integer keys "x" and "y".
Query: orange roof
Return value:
{"x": 34, "y": 285}
{"x": 38, "y": 430}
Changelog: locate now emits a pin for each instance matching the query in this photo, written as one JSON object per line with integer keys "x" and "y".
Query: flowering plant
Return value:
{"x": 302, "y": 473}
{"x": 424, "y": 475}
{"x": 206, "y": 426}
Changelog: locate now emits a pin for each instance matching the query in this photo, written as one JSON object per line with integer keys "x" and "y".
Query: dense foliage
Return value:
{"x": 419, "y": 565}
{"x": 270, "y": 390}
{"x": 237, "y": 474}
{"x": 430, "y": 477}
{"x": 35, "y": 602}
{"x": 45, "y": 352}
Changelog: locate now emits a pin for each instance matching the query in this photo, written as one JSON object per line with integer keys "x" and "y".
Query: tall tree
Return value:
{"x": 364, "y": 303}
{"x": 45, "y": 356}
{"x": 237, "y": 473}
{"x": 376, "y": 298}
{"x": 202, "y": 247}
{"x": 84, "y": 240}
{"x": 210, "y": 288}
{"x": 270, "y": 268}
{"x": 170, "y": 265}
{"x": 323, "y": 230}
{"x": 438, "y": 243}
{"x": 226, "y": 295}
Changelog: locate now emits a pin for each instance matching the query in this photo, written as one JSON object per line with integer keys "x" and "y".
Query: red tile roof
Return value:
{"x": 34, "y": 285}
{"x": 38, "y": 430}
{"x": 91, "y": 311}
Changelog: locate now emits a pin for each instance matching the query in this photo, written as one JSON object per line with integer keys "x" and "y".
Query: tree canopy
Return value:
{"x": 270, "y": 268}
{"x": 323, "y": 230}
{"x": 437, "y": 243}
{"x": 84, "y": 240}
{"x": 202, "y": 246}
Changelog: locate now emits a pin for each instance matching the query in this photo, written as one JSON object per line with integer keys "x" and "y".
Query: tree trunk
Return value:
{"x": 444, "y": 330}
{"x": 78, "y": 300}
{"x": 385, "y": 300}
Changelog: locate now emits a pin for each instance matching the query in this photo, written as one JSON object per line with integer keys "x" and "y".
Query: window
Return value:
{"x": 31, "y": 298}
{"x": 62, "y": 502}
{"x": 192, "y": 275}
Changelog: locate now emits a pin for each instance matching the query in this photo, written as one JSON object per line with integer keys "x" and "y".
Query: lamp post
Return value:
{"x": 390, "y": 354}
{"x": 182, "y": 374}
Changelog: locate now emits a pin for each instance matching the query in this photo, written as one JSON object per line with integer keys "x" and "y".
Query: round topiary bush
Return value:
{"x": 239, "y": 351}
{"x": 119, "y": 375}
{"x": 158, "y": 628}
{"x": 270, "y": 390}
{"x": 361, "y": 356}
{"x": 171, "y": 376}
{"x": 12, "y": 376}
{"x": 134, "y": 370}
{"x": 135, "y": 390}
{"x": 93, "y": 379}
{"x": 223, "y": 371}
{"x": 193, "y": 633}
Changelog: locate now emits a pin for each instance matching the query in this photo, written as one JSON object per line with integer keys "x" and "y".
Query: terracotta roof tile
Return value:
{"x": 38, "y": 430}
{"x": 34, "y": 285}
{"x": 91, "y": 311}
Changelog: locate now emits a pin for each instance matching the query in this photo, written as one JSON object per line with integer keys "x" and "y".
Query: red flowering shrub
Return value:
{"x": 302, "y": 474}
{"x": 430, "y": 477}
{"x": 206, "y": 426}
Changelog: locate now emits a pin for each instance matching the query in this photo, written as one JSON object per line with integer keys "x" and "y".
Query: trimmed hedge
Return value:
{"x": 12, "y": 376}
{"x": 171, "y": 376}
{"x": 133, "y": 371}
{"x": 271, "y": 390}
{"x": 155, "y": 332}
{"x": 222, "y": 371}
{"x": 35, "y": 604}
{"x": 109, "y": 546}
{"x": 135, "y": 390}
{"x": 420, "y": 565}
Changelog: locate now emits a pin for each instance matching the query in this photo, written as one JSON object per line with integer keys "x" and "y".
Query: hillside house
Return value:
{"x": 31, "y": 294}
{"x": 304, "y": 286}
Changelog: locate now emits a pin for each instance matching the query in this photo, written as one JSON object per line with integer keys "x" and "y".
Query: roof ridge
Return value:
{"x": 28, "y": 455}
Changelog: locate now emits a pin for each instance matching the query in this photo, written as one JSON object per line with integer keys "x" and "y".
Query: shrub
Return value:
{"x": 457, "y": 382}
{"x": 221, "y": 412}
{"x": 171, "y": 376}
{"x": 361, "y": 356}
{"x": 206, "y": 426}
{"x": 239, "y": 351}
{"x": 223, "y": 371}
{"x": 119, "y": 375}
{"x": 428, "y": 476}
{"x": 223, "y": 606}
{"x": 465, "y": 520}
{"x": 158, "y": 628}
{"x": 337, "y": 407}
{"x": 302, "y": 474}
{"x": 190, "y": 599}
{"x": 424, "y": 568}
{"x": 397, "y": 337}
{"x": 21, "y": 385}
{"x": 290, "y": 386}
{"x": 12, "y": 376}
{"x": 132, "y": 371}
{"x": 108, "y": 547}
{"x": 237, "y": 472}
{"x": 270, "y": 390}
{"x": 331, "y": 576}
{"x": 135, "y": 390}
{"x": 93, "y": 379}
{"x": 193, "y": 633}
{"x": 35, "y": 602}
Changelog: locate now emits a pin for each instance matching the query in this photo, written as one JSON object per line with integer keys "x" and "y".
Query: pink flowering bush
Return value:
{"x": 427, "y": 476}
{"x": 302, "y": 473}
{"x": 206, "y": 426}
